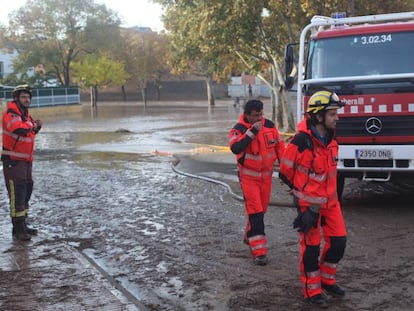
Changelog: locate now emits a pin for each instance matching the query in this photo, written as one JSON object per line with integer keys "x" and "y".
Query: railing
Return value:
{"x": 46, "y": 97}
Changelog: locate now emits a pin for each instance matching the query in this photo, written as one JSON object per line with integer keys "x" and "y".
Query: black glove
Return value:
{"x": 307, "y": 219}
{"x": 297, "y": 223}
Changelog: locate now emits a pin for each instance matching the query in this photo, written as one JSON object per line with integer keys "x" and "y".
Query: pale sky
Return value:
{"x": 142, "y": 13}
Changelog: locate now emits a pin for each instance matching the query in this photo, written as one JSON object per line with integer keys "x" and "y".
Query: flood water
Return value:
{"x": 140, "y": 130}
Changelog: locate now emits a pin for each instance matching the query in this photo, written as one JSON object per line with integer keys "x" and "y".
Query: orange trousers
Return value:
{"x": 256, "y": 192}
{"x": 315, "y": 269}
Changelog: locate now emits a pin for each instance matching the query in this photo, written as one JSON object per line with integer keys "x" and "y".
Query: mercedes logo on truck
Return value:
{"x": 373, "y": 125}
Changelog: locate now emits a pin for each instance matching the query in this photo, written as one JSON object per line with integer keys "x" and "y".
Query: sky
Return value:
{"x": 142, "y": 13}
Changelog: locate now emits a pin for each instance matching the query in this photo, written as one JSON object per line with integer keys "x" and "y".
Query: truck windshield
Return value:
{"x": 361, "y": 55}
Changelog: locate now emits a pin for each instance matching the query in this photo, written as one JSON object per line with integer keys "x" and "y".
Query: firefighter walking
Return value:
{"x": 309, "y": 167}
{"x": 19, "y": 130}
{"x": 257, "y": 145}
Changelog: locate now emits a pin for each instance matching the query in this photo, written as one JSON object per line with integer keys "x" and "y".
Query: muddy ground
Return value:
{"x": 105, "y": 185}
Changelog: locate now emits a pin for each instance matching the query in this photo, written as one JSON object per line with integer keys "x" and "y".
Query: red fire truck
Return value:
{"x": 369, "y": 62}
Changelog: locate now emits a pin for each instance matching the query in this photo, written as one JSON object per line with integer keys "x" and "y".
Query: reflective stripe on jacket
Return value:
{"x": 18, "y": 135}
{"x": 259, "y": 152}
{"x": 311, "y": 167}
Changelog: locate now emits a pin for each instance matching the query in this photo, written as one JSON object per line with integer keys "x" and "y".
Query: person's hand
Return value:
{"x": 37, "y": 125}
{"x": 308, "y": 219}
{"x": 257, "y": 125}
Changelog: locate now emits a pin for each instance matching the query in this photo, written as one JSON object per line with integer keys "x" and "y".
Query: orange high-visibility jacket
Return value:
{"x": 311, "y": 167}
{"x": 18, "y": 134}
{"x": 256, "y": 154}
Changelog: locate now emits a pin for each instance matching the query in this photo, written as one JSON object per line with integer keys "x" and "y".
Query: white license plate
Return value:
{"x": 374, "y": 154}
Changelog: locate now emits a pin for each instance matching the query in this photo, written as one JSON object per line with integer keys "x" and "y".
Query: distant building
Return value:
{"x": 6, "y": 67}
{"x": 6, "y": 62}
{"x": 141, "y": 29}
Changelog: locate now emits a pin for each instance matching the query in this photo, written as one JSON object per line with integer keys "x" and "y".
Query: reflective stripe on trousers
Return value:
{"x": 257, "y": 245}
{"x": 328, "y": 272}
{"x": 311, "y": 282}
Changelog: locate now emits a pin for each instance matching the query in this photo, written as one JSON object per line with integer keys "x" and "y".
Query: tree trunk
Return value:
{"x": 273, "y": 104}
{"x": 276, "y": 112}
{"x": 93, "y": 97}
{"x": 287, "y": 106}
{"x": 282, "y": 113}
{"x": 144, "y": 96}
{"x": 124, "y": 97}
{"x": 210, "y": 91}
{"x": 158, "y": 88}
{"x": 281, "y": 108}
{"x": 286, "y": 115}
{"x": 94, "y": 107}
{"x": 143, "y": 87}
{"x": 96, "y": 93}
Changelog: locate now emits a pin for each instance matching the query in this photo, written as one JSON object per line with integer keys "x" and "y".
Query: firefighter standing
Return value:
{"x": 257, "y": 144}
{"x": 309, "y": 167}
{"x": 19, "y": 130}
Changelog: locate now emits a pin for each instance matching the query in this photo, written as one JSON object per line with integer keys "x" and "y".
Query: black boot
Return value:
{"x": 31, "y": 231}
{"x": 260, "y": 260}
{"x": 334, "y": 290}
{"x": 317, "y": 300}
{"x": 19, "y": 229}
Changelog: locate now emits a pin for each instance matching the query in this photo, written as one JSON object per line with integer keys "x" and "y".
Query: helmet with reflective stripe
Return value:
{"x": 324, "y": 100}
{"x": 22, "y": 88}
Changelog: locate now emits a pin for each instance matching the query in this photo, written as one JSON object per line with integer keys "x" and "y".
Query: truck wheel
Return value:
{"x": 340, "y": 183}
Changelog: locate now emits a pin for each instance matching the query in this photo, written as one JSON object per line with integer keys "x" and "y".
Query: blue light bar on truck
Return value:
{"x": 338, "y": 15}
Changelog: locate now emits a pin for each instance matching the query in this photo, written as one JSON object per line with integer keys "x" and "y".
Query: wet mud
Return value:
{"x": 105, "y": 185}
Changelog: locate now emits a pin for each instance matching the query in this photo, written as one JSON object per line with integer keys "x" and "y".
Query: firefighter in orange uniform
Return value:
{"x": 257, "y": 145}
{"x": 309, "y": 168}
{"x": 19, "y": 130}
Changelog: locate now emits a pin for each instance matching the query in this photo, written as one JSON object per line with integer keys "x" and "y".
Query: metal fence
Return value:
{"x": 46, "y": 97}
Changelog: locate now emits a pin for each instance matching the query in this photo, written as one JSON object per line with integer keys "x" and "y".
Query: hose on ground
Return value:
{"x": 234, "y": 195}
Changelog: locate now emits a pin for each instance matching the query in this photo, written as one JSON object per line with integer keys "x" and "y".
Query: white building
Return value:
{"x": 6, "y": 67}
{"x": 6, "y": 61}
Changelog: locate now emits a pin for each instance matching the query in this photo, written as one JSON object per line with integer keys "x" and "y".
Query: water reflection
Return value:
{"x": 129, "y": 128}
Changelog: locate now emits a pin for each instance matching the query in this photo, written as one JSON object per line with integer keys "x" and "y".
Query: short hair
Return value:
{"x": 253, "y": 105}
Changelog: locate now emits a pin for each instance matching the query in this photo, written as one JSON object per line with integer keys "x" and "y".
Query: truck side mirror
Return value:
{"x": 289, "y": 66}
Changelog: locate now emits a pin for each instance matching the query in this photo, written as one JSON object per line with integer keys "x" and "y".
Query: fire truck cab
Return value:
{"x": 369, "y": 62}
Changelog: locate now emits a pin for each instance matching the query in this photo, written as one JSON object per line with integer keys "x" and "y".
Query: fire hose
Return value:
{"x": 234, "y": 195}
